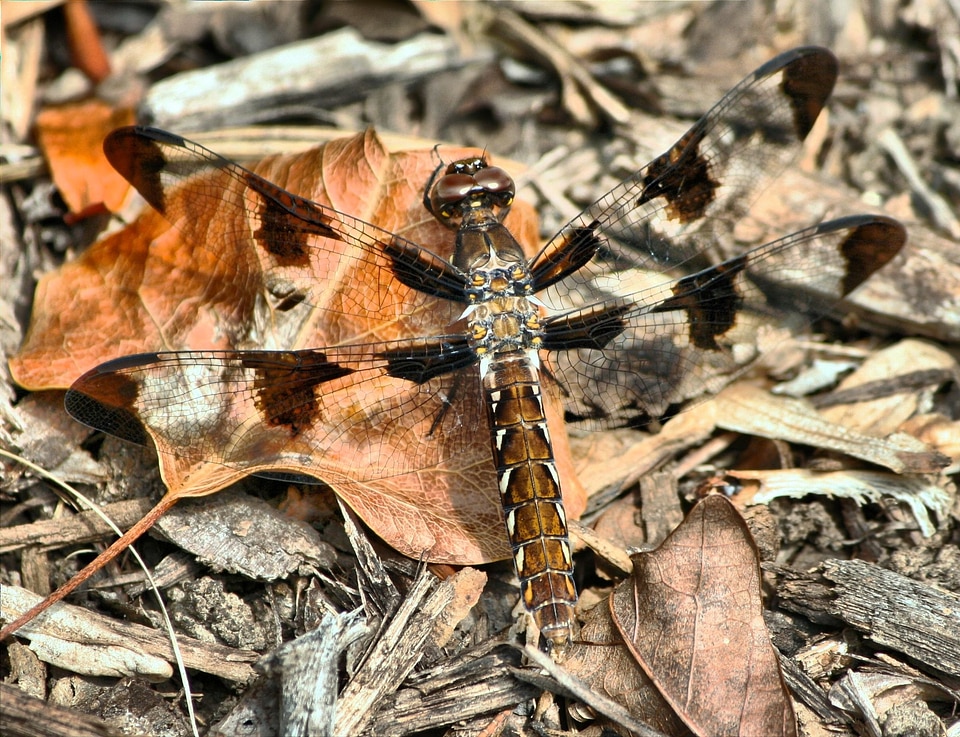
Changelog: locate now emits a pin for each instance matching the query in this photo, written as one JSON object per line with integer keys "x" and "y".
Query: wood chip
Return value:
{"x": 60, "y": 634}
{"x": 891, "y": 610}
{"x": 343, "y": 65}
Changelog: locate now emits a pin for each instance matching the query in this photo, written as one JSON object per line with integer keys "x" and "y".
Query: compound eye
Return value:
{"x": 494, "y": 179}
{"x": 453, "y": 188}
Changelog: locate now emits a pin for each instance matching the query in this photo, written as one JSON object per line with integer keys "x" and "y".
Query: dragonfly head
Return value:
{"x": 470, "y": 185}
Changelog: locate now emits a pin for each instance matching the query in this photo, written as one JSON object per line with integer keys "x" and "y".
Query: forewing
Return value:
{"x": 676, "y": 206}
{"x": 292, "y": 250}
{"x": 649, "y": 321}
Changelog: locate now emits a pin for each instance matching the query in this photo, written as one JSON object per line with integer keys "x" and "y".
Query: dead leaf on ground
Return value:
{"x": 691, "y": 616}
{"x": 751, "y": 410}
{"x": 201, "y": 285}
{"x": 884, "y": 414}
{"x": 599, "y": 659}
{"x": 71, "y": 136}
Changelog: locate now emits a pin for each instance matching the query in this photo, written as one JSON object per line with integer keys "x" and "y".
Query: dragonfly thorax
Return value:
{"x": 486, "y": 284}
{"x": 498, "y": 270}
{"x": 504, "y": 323}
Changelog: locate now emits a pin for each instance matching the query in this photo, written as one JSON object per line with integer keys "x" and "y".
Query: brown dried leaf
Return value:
{"x": 150, "y": 288}
{"x": 71, "y": 136}
{"x": 692, "y": 617}
{"x": 748, "y": 409}
{"x": 599, "y": 659}
{"x": 884, "y": 415}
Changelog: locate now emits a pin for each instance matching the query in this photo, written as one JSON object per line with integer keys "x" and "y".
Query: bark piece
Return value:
{"x": 891, "y": 610}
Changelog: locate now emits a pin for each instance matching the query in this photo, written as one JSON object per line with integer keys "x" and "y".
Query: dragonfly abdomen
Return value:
{"x": 530, "y": 492}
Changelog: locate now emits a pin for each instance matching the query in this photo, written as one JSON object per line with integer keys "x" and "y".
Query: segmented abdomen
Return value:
{"x": 530, "y": 491}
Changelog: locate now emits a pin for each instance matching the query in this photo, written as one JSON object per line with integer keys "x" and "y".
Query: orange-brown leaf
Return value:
{"x": 86, "y": 46}
{"x": 149, "y": 288}
{"x": 71, "y": 136}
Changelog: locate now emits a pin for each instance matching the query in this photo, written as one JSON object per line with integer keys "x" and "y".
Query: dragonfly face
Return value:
{"x": 526, "y": 324}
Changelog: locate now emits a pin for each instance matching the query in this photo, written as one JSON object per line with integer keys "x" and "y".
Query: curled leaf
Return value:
{"x": 692, "y": 617}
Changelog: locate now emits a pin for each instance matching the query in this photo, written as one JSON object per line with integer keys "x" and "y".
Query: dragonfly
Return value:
{"x": 571, "y": 321}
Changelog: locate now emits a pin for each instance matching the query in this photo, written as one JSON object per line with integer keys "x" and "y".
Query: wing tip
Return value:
{"x": 104, "y": 399}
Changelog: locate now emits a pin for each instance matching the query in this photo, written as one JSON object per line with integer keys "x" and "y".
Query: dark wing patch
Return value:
{"x": 711, "y": 300}
{"x": 105, "y": 398}
{"x": 286, "y": 385}
{"x": 564, "y": 255}
{"x": 872, "y": 243}
{"x": 592, "y": 327}
{"x": 141, "y": 160}
{"x": 287, "y": 222}
{"x": 426, "y": 272}
{"x": 807, "y": 83}
{"x": 422, "y": 361}
{"x": 683, "y": 177}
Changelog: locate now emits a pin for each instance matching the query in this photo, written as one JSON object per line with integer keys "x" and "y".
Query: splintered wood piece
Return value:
{"x": 62, "y": 637}
{"x": 691, "y": 615}
{"x": 222, "y": 94}
{"x": 469, "y": 687}
{"x": 890, "y": 609}
{"x": 467, "y": 585}
{"x": 884, "y": 415}
{"x": 394, "y": 654}
{"x": 309, "y": 671}
{"x": 380, "y": 593}
{"x": 624, "y": 466}
{"x": 26, "y": 715}
{"x": 121, "y": 544}
{"x": 238, "y": 533}
{"x": 922, "y": 496}
{"x": 82, "y": 527}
